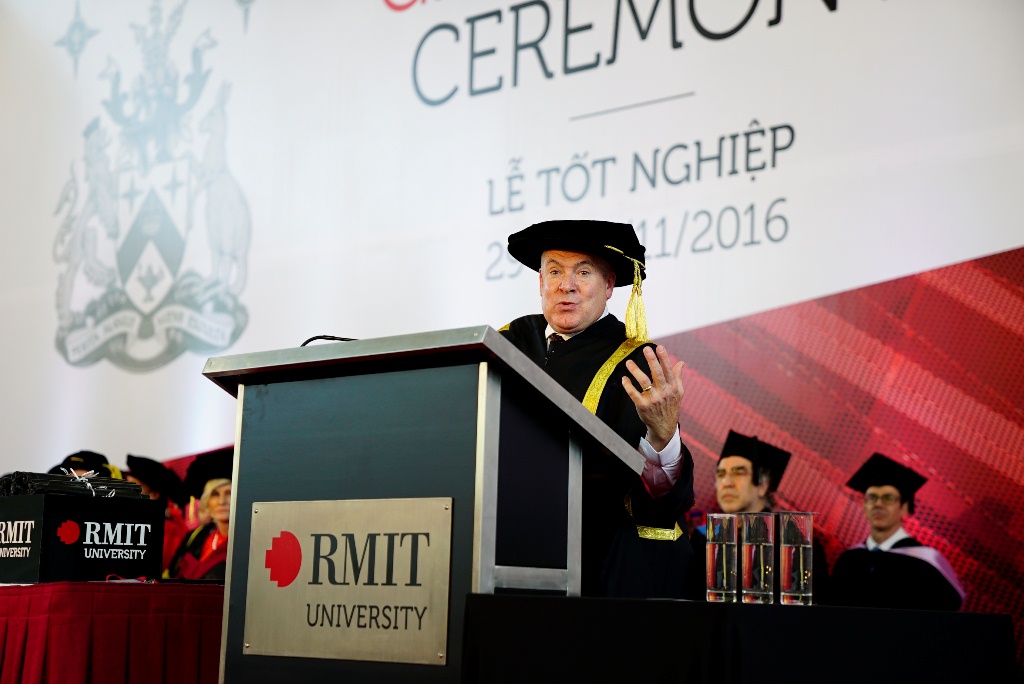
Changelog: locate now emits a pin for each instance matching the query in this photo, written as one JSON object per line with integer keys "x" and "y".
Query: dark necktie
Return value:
{"x": 554, "y": 339}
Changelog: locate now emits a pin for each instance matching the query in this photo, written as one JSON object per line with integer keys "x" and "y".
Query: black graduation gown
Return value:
{"x": 695, "y": 586}
{"x": 821, "y": 581}
{"x": 615, "y": 560}
{"x": 882, "y": 579}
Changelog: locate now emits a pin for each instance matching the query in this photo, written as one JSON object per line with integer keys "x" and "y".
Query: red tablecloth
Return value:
{"x": 78, "y": 632}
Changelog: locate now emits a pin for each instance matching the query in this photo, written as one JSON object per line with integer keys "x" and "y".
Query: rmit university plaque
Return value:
{"x": 353, "y": 580}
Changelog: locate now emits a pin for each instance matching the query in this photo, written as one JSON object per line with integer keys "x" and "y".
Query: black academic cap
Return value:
{"x": 616, "y": 243}
{"x": 211, "y": 465}
{"x": 84, "y": 460}
{"x": 880, "y": 470}
{"x": 156, "y": 475}
{"x": 765, "y": 457}
{"x": 87, "y": 460}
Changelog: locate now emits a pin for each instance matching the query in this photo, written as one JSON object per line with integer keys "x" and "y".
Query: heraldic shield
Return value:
{"x": 131, "y": 286}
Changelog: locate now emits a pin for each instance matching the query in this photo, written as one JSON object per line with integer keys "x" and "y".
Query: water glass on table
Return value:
{"x": 757, "y": 551}
{"x": 721, "y": 557}
{"x": 795, "y": 564}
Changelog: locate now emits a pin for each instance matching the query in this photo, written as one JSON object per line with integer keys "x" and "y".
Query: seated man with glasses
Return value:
{"x": 747, "y": 476}
{"x": 891, "y": 569}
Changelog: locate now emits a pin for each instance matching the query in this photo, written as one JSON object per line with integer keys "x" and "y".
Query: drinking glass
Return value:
{"x": 797, "y": 553}
{"x": 757, "y": 550}
{"x": 721, "y": 557}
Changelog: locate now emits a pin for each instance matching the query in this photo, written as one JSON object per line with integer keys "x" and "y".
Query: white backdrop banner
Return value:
{"x": 183, "y": 180}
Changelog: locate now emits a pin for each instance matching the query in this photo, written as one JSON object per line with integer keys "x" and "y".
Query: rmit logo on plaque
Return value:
{"x": 353, "y": 580}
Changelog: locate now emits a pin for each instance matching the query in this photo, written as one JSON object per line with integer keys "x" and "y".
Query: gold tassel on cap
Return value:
{"x": 636, "y": 315}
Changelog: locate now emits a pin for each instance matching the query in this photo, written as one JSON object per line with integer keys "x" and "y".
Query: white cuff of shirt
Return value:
{"x": 668, "y": 460}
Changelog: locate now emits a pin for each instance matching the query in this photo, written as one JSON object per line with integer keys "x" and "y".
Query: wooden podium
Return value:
{"x": 456, "y": 414}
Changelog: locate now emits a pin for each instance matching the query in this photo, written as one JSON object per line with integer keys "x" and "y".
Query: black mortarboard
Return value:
{"x": 765, "y": 457}
{"x": 87, "y": 460}
{"x": 156, "y": 475}
{"x": 84, "y": 460}
{"x": 211, "y": 465}
{"x": 616, "y": 243}
{"x": 880, "y": 470}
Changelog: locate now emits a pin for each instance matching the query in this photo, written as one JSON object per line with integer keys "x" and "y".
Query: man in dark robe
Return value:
{"x": 747, "y": 476}
{"x": 632, "y": 544}
{"x": 891, "y": 569}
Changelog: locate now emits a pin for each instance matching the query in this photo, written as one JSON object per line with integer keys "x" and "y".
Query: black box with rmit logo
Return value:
{"x": 56, "y": 537}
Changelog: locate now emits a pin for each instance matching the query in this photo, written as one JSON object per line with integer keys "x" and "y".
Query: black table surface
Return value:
{"x": 510, "y": 638}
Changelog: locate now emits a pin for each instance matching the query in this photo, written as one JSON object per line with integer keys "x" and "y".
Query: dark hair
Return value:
{"x": 763, "y": 475}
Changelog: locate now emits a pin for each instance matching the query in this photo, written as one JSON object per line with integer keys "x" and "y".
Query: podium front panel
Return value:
{"x": 407, "y": 434}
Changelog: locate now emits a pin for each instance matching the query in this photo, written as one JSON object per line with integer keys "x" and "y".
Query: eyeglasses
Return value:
{"x": 887, "y": 499}
{"x": 737, "y": 473}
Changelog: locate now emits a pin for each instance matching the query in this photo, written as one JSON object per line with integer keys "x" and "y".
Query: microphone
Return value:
{"x": 332, "y": 338}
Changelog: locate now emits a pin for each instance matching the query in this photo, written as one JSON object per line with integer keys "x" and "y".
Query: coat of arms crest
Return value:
{"x": 131, "y": 287}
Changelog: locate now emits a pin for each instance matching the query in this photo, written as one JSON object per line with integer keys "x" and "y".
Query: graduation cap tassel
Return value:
{"x": 636, "y": 315}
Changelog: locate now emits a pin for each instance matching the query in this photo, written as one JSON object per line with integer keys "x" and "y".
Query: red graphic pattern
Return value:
{"x": 284, "y": 559}
{"x": 925, "y": 369}
{"x": 69, "y": 531}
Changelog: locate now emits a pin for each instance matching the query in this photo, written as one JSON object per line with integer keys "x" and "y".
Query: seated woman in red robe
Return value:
{"x": 204, "y": 552}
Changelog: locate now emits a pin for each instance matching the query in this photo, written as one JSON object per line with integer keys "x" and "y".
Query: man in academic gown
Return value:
{"x": 891, "y": 569}
{"x": 632, "y": 544}
{"x": 747, "y": 476}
